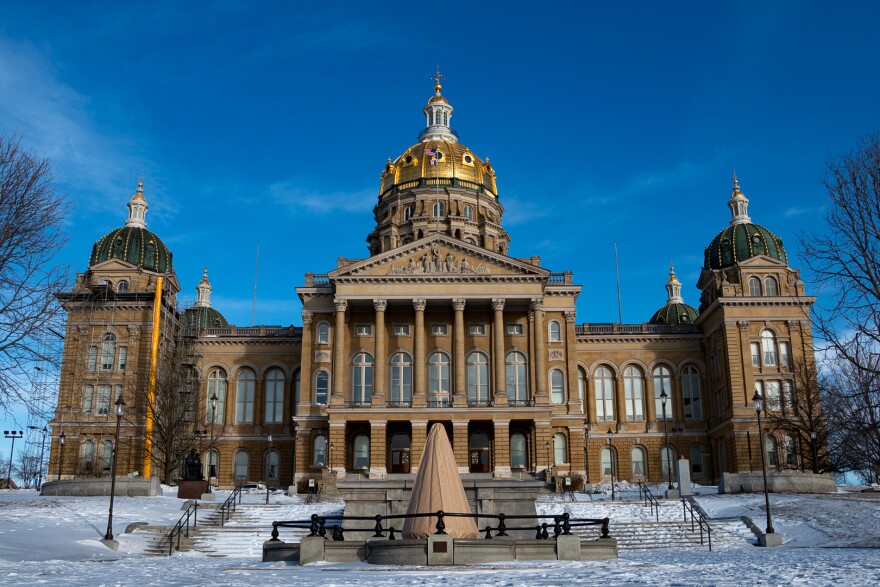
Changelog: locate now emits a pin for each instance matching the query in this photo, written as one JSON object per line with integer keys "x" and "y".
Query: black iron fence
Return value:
{"x": 182, "y": 526}
{"x": 697, "y": 518}
{"x": 560, "y": 524}
{"x": 650, "y": 500}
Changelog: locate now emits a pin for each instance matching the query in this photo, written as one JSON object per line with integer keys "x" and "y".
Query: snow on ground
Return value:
{"x": 55, "y": 541}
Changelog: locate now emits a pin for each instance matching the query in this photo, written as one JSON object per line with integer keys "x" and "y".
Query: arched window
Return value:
{"x": 244, "y": 397}
{"x": 212, "y": 462}
{"x": 557, "y": 387}
{"x": 790, "y": 447}
{"x": 517, "y": 381}
{"x": 696, "y": 460}
{"x": 322, "y": 387}
{"x": 608, "y": 464}
{"x": 319, "y": 451}
{"x": 582, "y": 389}
{"x": 768, "y": 346}
{"x": 274, "y": 396}
{"x": 241, "y": 463}
{"x": 637, "y": 456}
{"x": 478, "y": 378}
{"x": 633, "y": 393}
{"x": 122, "y": 286}
{"x": 88, "y": 455}
{"x": 408, "y": 212}
{"x": 754, "y": 286}
{"x": 361, "y": 456}
{"x": 690, "y": 383}
{"x": 555, "y": 332}
{"x": 771, "y": 288}
{"x": 438, "y": 209}
{"x": 323, "y": 333}
{"x": 401, "y": 378}
{"x": 271, "y": 465}
{"x": 216, "y": 386}
{"x": 560, "y": 450}
{"x": 108, "y": 351}
{"x": 468, "y": 212}
{"x": 667, "y": 458}
{"x": 106, "y": 455}
{"x": 362, "y": 378}
{"x": 604, "y": 394}
{"x": 150, "y": 255}
{"x": 438, "y": 376}
{"x": 772, "y": 448}
{"x": 663, "y": 382}
{"x": 518, "y": 451}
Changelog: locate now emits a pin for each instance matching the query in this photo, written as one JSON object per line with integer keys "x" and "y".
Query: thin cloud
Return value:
{"x": 302, "y": 199}
{"x": 795, "y": 211}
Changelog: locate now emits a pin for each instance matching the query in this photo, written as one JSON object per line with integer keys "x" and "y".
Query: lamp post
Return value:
{"x": 611, "y": 458}
{"x": 586, "y": 451}
{"x": 211, "y": 445}
{"x": 663, "y": 398}
{"x": 815, "y": 450}
{"x": 759, "y": 406}
{"x": 60, "y": 454}
{"x": 120, "y": 404}
{"x": 268, "y": 465}
{"x": 549, "y": 462}
{"x": 293, "y": 431}
{"x": 13, "y": 434}
{"x": 330, "y": 459}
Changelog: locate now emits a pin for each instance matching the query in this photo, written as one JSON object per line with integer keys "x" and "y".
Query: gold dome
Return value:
{"x": 456, "y": 166}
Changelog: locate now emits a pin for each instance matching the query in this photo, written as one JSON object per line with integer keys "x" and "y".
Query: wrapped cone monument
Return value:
{"x": 438, "y": 487}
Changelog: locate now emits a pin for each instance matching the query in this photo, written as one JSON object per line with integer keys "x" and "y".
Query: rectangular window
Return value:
{"x": 514, "y": 329}
{"x": 477, "y": 329}
{"x": 123, "y": 357}
{"x": 93, "y": 358}
{"x": 756, "y": 354}
{"x": 88, "y": 398}
{"x": 103, "y": 400}
{"x": 784, "y": 355}
{"x": 438, "y": 329}
{"x": 363, "y": 330}
{"x": 773, "y": 396}
{"x": 788, "y": 397}
{"x": 401, "y": 329}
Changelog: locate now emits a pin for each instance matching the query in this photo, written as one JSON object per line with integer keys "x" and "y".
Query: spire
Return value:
{"x": 137, "y": 207}
{"x": 739, "y": 205}
{"x": 203, "y": 300}
{"x": 673, "y": 287}
{"x": 438, "y": 113}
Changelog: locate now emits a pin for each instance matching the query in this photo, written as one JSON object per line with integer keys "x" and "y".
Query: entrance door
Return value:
{"x": 400, "y": 445}
{"x": 479, "y": 453}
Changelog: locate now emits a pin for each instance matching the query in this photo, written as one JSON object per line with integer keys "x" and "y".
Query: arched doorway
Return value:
{"x": 400, "y": 453}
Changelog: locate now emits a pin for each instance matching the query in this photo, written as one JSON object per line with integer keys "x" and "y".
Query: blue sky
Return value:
{"x": 270, "y": 123}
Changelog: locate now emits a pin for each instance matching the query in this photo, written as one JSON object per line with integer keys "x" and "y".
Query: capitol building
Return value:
{"x": 439, "y": 324}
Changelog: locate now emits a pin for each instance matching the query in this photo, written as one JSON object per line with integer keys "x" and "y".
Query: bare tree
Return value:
{"x": 31, "y": 216}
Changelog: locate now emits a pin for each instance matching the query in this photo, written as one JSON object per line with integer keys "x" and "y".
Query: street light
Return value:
{"x": 120, "y": 404}
{"x": 815, "y": 450}
{"x": 13, "y": 434}
{"x": 60, "y": 454}
{"x": 549, "y": 462}
{"x": 759, "y": 405}
{"x": 295, "y": 439}
{"x": 268, "y": 465}
{"x": 211, "y": 446}
{"x": 611, "y": 458}
{"x": 330, "y": 459}
{"x": 663, "y": 398}
{"x": 586, "y": 458}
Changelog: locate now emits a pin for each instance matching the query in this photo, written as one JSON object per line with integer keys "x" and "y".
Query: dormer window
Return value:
{"x": 122, "y": 286}
{"x": 408, "y": 212}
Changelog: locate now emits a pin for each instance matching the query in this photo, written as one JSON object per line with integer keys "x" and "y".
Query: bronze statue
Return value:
{"x": 192, "y": 467}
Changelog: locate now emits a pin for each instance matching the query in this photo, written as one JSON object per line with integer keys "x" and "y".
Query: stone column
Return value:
{"x": 501, "y": 446}
{"x": 459, "y": 397}
{"x": 574, "y": 404}
{"x": 541, "y": 396}
{"x": 378, "y": 450}
{"x": 305, "y": 365}
{"x": 460, "y": 445}
{"x": 677, "y": 400}
{"x": 381, "y": 382}
{"x": 419, "y": 436}
{"x": 339, "y": 347}
{"x": 590, "y": 400}
{"x": 419, "y": 366}
{"x": 498, "y": 352}
{"x": 543, "y": 435}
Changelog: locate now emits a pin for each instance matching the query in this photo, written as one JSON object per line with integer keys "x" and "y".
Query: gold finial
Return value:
{"x": 438, "y": 77}
{"x": 139, "y": 192}
{"x": 672, "y": 277}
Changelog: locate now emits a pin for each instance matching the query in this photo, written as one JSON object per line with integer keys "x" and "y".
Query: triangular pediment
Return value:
{"x": 439, "y": 256}
{"x": 761, "y": 261}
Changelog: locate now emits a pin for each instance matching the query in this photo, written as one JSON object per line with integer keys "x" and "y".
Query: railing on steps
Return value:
{"x": 229, "y": 506}
{"x": 562, "y": 524}
{"x": 697, "y": 515}
{"x": 649, "y": 499}
{"x": 182, "y": 526}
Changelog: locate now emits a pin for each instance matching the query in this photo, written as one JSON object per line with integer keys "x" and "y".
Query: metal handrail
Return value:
{"x": 228, "y": 506}
{"x": 702, "y": 520}
{"x": 178, "y": 528}
{"x": 649, "y": 499}
{"x": 561, "y": 525}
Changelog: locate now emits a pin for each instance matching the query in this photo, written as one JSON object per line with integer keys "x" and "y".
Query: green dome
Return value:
{"x": 676, "y": 313}
{"x": 742, "y": 241}
{"x": 135, "y": 245}
{"x": 203, "y": 317}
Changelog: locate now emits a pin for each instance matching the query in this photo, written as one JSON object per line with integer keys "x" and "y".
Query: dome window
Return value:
{"x": 117, "y": 248}
{"x": 439, "y": 210}
{"x": 408, "y": 159}
{"x": 771, "y": 287}
{"x": 754, "y": 287}
{"x": 439, "y": 155}
{"x": 757, "y": 245}
{"x": 468, "y": 213}
{"x": 468, "y": 159}
{"x": 150, "y": 256}
{"x": 122, "y": 286}
{"x": 408, "y": 212}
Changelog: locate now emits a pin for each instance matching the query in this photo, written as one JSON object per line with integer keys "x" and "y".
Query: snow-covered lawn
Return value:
{"x": 55, "y": 541}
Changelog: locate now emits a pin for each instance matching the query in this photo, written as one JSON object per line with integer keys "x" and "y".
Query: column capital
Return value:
{"x": 458, "y": 304}
{"x": 570, "y": 316}
{"x": 307, "y": 317}
{"x": 743, "y": 325}
{"x": 340, "y": 304}
{"x": 497, "y": 304}
{"x": 536, "y": 305}
{"x": 419, "y": 304}
{"x": 380, "y": 305}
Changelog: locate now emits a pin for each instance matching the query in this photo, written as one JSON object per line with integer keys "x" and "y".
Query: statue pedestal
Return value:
{"x": 192, "y": 489}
